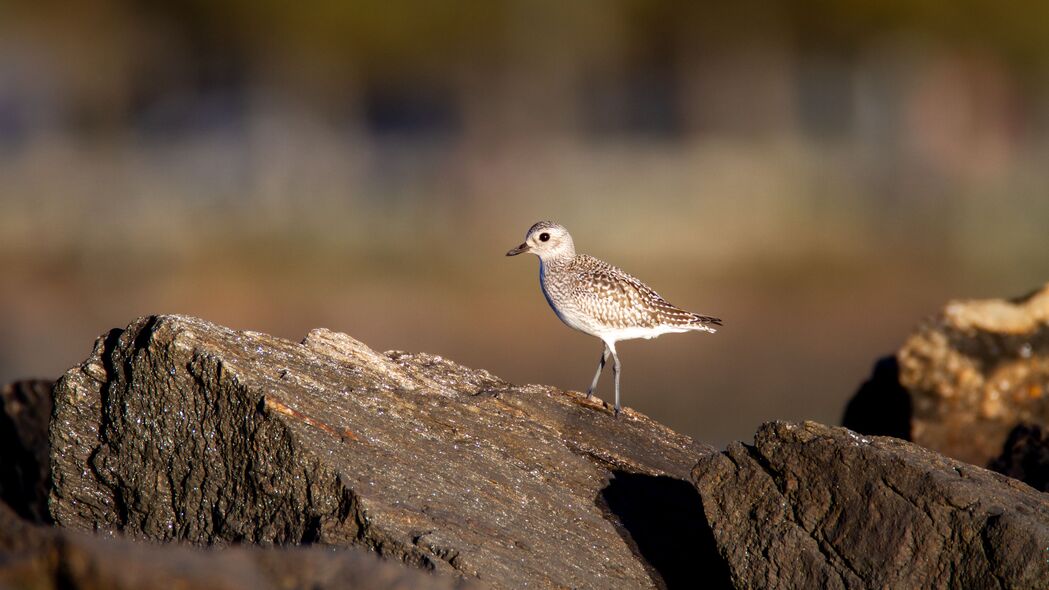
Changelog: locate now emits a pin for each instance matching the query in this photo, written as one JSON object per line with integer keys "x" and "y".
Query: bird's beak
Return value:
{"x": 518, "y": 250}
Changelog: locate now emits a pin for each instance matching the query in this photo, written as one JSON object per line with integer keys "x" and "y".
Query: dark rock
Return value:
{"x": 977, "y": 370}
{"x": 176, "y": 429}
{"x": 882, "y": 407}
{"x": 969, "y": 375}
{"x": 33, "y": 556}
{"x": 811, "y": 506}
{"x": 1026, "y": 456}
{"x": 665, "y": 520}
{"x": 25, "y": 411}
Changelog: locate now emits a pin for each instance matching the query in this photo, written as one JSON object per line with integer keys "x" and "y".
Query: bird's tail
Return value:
{"x": 704, "y": 323}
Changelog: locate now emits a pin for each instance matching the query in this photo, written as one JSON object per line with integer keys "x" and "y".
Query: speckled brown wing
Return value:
{"x": 618, "y": 300}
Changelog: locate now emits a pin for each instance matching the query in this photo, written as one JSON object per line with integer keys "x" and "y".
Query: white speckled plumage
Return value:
{"x": 600, "y": 299}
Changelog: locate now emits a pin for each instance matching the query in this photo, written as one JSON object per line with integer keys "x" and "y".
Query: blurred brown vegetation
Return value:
{"x": 819, "y": 174}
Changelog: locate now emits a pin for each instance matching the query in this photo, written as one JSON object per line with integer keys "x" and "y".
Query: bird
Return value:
{"x": 599, "y": 299}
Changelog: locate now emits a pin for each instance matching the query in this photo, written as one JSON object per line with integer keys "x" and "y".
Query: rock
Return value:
{"x": 25, "y": 410}
{"x": 33, "y": 556}
{"x": 811, "y": 506}
{"x": 176, "y": 429}
{"x": 1026, "y": 456}
{"x": 971, "y": 373}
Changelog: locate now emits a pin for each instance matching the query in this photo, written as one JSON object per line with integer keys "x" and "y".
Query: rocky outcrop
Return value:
{"x": 34, "y": 556}
{"x": 25, "y": 412}
{"x": 811, "y": 506}
{"x": 968, "y": 376}
{"x": 262, "y": 462}
{"x": 176, "y": 429}
{"x": 977, "y": 370}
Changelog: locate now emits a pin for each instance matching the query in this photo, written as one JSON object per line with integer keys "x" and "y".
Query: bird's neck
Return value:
{"x": 555, "y": 262}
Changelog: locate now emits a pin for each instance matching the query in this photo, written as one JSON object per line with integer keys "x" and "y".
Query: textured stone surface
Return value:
{"x": 176, "y": 429}
{"x": 25, "y": 411}
{"x": 37, "y": 557}
{"x": 811, "y": 506}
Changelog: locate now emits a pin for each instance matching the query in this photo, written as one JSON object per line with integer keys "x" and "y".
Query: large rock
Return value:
{"x": 33, "y": 556}
{"x": 811, "y": 506}
{"x": 964, "y": 380}
{"x": 25, "y": 411}
{"x": 176, "y": 429}
{"x": 975, "y": 371}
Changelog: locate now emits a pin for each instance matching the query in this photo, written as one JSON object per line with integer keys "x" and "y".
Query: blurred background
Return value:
{"x": 821, "y": 175}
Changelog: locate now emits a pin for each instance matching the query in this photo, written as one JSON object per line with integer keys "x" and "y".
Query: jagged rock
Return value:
{"x": 970, "y": 374}
{"x": 25, "y": 411}
{"x": 1026, "y": 456}
{"x": 179, "y": 430}
{"x": 176, "y": 429}
{"x": 811, "y": 506}
{"x": 33, "y": 556}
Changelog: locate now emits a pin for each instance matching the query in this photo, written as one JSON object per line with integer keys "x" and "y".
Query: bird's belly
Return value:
{"x": 569, "y": 313}
{"x": 578, "y": 321}
{"x": 617, "y": 334}
{"x": 564, "y": 312}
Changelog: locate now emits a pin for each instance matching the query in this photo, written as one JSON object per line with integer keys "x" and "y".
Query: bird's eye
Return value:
{"x": 544, "y": 237}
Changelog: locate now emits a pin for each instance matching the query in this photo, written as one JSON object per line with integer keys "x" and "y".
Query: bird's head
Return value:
{"x": 548, "y": 241}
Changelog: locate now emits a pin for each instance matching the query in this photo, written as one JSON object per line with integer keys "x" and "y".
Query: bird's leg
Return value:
{"x": 615, "y": 371}
{"x": 600, "y": 367}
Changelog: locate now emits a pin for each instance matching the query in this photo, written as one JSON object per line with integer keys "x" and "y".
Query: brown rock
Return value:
{"x": 33, "y": 556}
{"x": 176, "y": 429}
{"x": 811, "y": 506}
{"x": 968, "y": 375}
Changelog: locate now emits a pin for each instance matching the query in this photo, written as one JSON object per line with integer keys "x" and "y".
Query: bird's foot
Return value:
{"x": 616, "y": 412}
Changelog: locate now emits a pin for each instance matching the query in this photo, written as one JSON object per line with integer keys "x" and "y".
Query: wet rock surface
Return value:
{"x": 811, "y": 506}
{"x": 176, "y": 429}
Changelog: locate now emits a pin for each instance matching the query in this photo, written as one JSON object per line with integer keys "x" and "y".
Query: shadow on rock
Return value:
{"x": 25, "y": 409}
{"x": 881, "y": 407}
{"x": 1026, "y": 456}
{"x": 663, "y": 519}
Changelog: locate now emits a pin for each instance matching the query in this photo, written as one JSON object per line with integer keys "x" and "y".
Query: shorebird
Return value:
{"x": 601, "y": 300}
